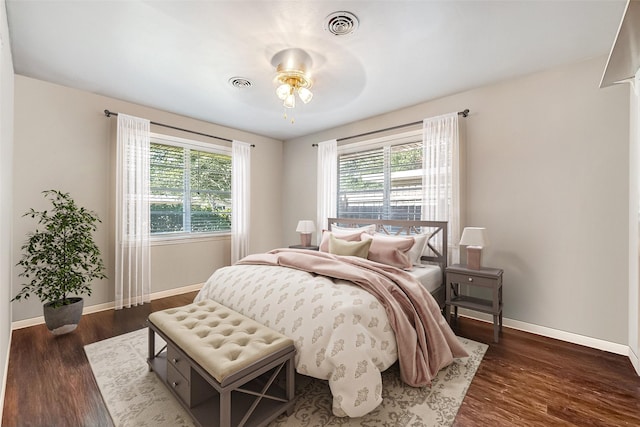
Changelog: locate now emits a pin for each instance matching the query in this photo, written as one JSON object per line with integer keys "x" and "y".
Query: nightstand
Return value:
{"x": 310, "y": 248}
{"x": 485, "y": 277}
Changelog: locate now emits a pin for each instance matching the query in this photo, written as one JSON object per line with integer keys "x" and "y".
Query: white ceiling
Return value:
{"x": 178, "y": 56}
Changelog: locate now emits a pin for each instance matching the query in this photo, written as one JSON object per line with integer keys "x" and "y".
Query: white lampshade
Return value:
{"x": 305, "y": 94}
{"x": 474, "y": 236}
{"x": 306, "y": 226}
{"x": 283, "y": 91}
{"x": 290, "y": 101}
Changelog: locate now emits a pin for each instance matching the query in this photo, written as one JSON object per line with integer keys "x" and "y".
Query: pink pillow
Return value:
{"x": 349, "y": 237}
{"x": 390, "y": 250}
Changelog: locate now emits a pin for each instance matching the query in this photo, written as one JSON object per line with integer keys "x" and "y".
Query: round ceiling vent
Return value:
{"x": 341, "y": 23}
{"x": 240, "y": 82}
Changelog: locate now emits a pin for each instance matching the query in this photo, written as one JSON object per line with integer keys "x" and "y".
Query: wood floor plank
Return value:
{"x": 524, "y": 380}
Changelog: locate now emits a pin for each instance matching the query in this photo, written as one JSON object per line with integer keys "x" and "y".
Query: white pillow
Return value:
{"x": 415, "y": 253}
{"x": 369, "y": 229}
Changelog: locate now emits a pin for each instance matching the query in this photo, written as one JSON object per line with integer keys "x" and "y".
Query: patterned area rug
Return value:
{"x": 136, "y": 397}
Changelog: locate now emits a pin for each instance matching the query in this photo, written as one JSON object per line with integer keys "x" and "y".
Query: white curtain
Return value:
{"x": 441, "y": 179}
{"x": 133, "y": 260}
{"x": 327, "y": 184}
{"x": 240, "y": 197}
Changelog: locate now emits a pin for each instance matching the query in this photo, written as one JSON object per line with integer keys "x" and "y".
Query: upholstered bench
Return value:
{"x": 225, "y": 369}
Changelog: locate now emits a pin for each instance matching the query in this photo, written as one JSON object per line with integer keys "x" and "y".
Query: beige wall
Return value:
{"x": 547, "y": 174}
{"x": 6, "y": 179}
{"x": 64, "y": 141}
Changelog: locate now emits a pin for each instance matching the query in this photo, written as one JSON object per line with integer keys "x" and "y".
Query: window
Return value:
{"x": 381, "y": 179}
{"x": 190, "y": 187}
{"x": 404, "y": 177}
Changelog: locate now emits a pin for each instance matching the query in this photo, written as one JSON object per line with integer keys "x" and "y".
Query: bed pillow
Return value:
{"x": 343, "y": 247}
{"x": 370, "y": 229}
{"x": 390, "y": 250}
{"x": 416, "y": 251}
{"x": 349, "y": 237}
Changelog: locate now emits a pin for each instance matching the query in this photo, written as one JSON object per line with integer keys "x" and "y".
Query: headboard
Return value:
{"x": 436, "y": 250}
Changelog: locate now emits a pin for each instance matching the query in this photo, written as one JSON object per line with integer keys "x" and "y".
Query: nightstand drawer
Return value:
{"x": 468, "y": 279}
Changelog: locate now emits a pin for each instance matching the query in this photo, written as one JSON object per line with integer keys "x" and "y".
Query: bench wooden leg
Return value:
{"x": 152, "y": 347}
{"x": 291, "y": 384}
{"x": 225, "y": 408}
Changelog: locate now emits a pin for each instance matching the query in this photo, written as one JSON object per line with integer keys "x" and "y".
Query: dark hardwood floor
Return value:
{"x": 525, "y": 380}
{"x": 530, "y": 380}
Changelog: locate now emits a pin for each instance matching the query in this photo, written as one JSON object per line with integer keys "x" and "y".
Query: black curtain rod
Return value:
{"x": 110, "y": 113}
{"x": 463, "y": 113}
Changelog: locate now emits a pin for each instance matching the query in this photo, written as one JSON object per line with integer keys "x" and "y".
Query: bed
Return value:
{"x": 350, "y": 318}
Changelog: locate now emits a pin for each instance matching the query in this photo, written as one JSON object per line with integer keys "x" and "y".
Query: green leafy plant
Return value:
{"x": 60, "y": 257}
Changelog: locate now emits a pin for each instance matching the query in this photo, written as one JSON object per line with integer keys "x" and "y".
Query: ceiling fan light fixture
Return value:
{"x": 292, "y": 76}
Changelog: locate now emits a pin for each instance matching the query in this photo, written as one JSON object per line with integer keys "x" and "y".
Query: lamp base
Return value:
{"x": 305, "y": 239}
{"x": 473, "y": 257}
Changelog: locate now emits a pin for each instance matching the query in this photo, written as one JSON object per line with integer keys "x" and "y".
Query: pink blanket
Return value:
{"x": 426, "y": 343}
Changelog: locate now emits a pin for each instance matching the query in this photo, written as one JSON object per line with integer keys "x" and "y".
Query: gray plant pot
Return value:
{"x": 63, "y": 319}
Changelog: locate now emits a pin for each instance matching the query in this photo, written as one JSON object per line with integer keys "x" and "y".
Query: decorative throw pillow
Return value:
{"x": 343, "y": 247}
{"x": 349, "y": 237}
{"x": 390, "y": 250}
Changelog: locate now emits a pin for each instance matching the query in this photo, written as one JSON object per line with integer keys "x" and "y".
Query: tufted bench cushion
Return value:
{"x": 219, "y": 339}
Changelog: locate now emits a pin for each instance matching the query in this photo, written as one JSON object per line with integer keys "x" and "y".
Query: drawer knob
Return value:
{"x": 174, "y": 384}
{"x": 471, "y": 279}
{"x": 174, "y": 360}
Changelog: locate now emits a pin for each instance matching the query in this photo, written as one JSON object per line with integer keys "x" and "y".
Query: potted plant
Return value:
{"x": 61, "y": 259}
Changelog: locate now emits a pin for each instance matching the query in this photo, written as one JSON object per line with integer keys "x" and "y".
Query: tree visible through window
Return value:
{"x": 190, "y": 190}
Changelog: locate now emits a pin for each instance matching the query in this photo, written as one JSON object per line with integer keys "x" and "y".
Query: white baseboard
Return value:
{"x": 634, "y": 360}
{"x": 108, "y": 306}
{"x": 553, "y": 333}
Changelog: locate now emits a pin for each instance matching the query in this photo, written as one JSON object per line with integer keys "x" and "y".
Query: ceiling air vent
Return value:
{"x": 341, "y": 23}
{"x": 240, "y": 82}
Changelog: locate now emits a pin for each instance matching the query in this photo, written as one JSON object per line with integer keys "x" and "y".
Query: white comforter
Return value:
{"x": 341, "y": 332}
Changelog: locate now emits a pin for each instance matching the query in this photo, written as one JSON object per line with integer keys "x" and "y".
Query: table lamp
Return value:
{"x": 474, "y": 238}
{"x": 305, "y": 228}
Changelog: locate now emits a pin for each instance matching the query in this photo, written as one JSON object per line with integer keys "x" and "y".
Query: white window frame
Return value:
{"x": 157, "y": 239}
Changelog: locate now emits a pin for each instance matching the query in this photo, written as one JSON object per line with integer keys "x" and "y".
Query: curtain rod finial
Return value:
{"x": 107, "y": 113}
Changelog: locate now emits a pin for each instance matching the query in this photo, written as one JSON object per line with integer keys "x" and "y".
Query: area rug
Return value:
{"x": 136, "y": 397}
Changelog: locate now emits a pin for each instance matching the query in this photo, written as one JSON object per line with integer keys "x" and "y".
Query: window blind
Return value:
{"x": 383, "y": 182}
{"x": 190, "y": 190}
